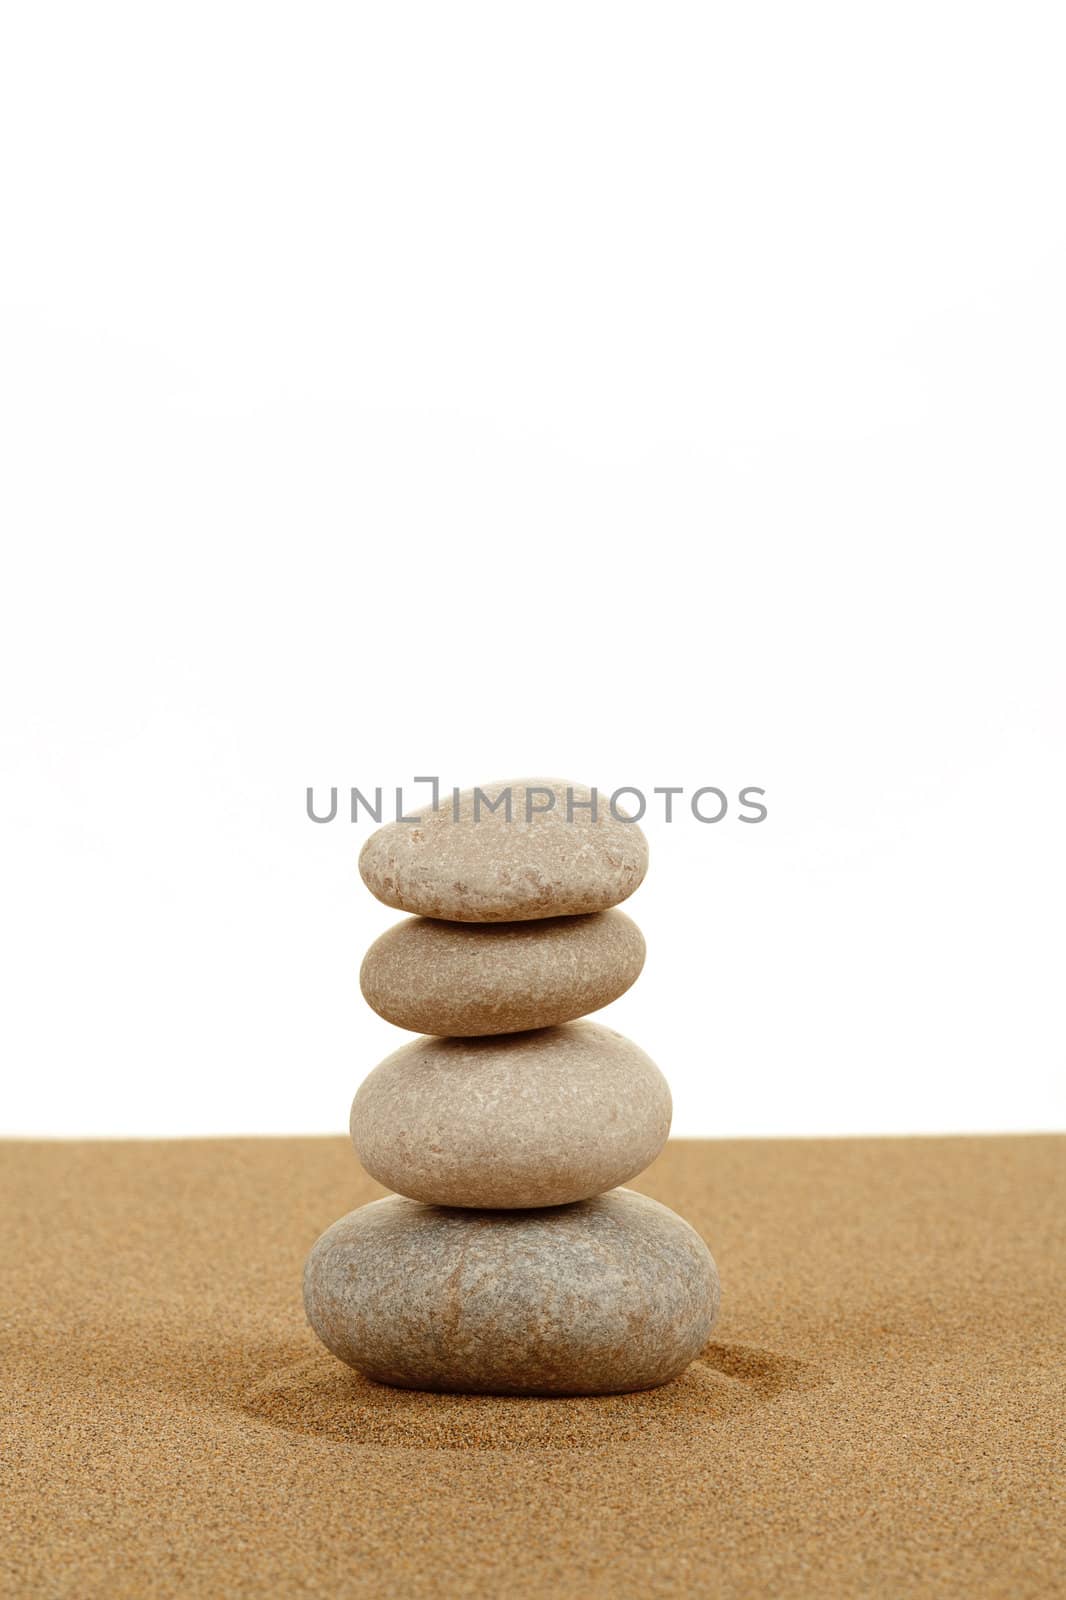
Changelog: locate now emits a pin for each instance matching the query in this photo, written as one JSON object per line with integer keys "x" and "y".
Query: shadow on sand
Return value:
{"x": 320, "y": 1397}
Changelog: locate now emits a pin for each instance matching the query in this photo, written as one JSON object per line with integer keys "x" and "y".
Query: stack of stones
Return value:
{"x": 509, "y": 1261}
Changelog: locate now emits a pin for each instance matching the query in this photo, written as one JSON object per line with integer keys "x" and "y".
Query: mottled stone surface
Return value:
{"x": 609, "y": 1295}
{"x": 526, "y": 1119}
{"x": 495, "y": 870}
{"x": 500, "y": 977}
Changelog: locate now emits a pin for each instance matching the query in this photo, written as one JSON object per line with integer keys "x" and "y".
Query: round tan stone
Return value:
{"x": 526, "y": 1119}
{"x": 500, "y": 977}
{"x": 484, "y": 868}
{"x": 607, "y": 1296}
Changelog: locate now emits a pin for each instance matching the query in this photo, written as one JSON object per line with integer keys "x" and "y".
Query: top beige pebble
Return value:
{"x": 467, "y": 863}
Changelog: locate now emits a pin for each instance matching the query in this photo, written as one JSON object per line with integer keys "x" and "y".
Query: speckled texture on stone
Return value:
{"x": 473, "y": 978}
{"x": 494, "y": 870}
{"x": 603, "y": 1297}
{"x": 527, "y": 1119}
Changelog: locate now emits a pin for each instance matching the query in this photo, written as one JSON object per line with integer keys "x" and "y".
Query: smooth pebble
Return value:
{"x": 503, "y": 977}
{"x": 559, "y": 862}
{"x": 526, "y": 1119}
{"x": 603, "y": 1297}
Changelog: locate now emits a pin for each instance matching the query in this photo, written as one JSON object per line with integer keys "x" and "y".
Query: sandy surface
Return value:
{"x": 880, "y": 1412}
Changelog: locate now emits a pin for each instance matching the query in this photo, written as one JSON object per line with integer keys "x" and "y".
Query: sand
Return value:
{"x": 880, "y": 1411}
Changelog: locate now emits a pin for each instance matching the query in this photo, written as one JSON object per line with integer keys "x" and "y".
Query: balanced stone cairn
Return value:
{"x": 508, "y": 1261}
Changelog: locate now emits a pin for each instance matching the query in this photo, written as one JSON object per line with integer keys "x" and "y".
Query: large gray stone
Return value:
{"x": 609, "y": 1295}
{"x": 501, "y": 977}
{"x": 523, "y": 1119}
{"x": 494, "y": 870}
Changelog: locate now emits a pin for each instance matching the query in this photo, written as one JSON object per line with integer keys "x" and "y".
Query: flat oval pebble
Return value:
{"x": 503, "y": 977}
{"x": 603, "y": 1297}
{"x": 527, "y": 1119}
{"x": 466, "y": 863}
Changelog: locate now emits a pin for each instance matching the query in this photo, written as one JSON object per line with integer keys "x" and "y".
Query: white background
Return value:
{"x": 640, "y": 394}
